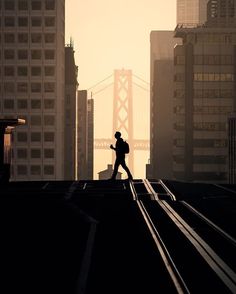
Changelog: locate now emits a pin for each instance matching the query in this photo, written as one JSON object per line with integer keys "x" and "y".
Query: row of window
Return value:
{"x": 205, "y": 109}
{"x": 23, "y": 54}
{"x": 202, "y": 176}
{"x": 24, "y": 87}
{"x": 203, "y": 143}
{"x": 23, "y": 38}
{"x": 22, "y": 153}
{"x": 202, "y": 159}
{"x": 35, "y": 137}
{"x": 206, "y": 60}
{"x": 36, "y": 120}
{"x": 207, "y": 93}
{"x": 10, "y": 5}
{"x": 22, "y": 71}
{"x": 36, "y": 170}
{"x": 213, "y": 77}
{"x": 10, "y": 21}
{"x": 10, "y": 104}
{"x": 202, "y": 126}
{"x": 212, "y": 38}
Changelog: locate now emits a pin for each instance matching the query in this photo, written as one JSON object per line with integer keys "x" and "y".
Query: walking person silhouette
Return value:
{"x": 120, "y": 156}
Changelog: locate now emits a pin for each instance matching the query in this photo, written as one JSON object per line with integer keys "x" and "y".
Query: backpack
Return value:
{"x": 125, "y": 147}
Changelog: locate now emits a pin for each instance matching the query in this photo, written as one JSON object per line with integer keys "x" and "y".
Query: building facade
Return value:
{"x": 204, "y": 95}
{"x": 90, "y": 139}
{"x": 232, "y": 149}
{"x": 32, "y": 85}
{"x": 70, "y": 114}
{"x": 191, "y": 11}
{"x": 161, "y": 104}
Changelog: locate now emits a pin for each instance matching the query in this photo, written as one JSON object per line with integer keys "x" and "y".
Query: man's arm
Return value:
{"x": 112, "y": 147}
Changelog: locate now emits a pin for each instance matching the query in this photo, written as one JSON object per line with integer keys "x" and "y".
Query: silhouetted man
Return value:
{"x": 120, "y": 156}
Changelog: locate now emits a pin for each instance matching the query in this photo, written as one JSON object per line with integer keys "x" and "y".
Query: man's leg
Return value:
{"x": 125, "y": 167}
{"x": 116, "y": 166}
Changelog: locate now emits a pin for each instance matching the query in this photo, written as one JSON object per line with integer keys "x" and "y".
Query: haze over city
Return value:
{"x": 110, "y": 35}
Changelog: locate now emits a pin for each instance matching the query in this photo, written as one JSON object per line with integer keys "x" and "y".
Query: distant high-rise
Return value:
{"x": 191, "y": 11}
{"x": 161, "y": 103}
{"x": 70, "y": 113}
{"x": 32, "y": 85}
{"x": 85, "y": 136}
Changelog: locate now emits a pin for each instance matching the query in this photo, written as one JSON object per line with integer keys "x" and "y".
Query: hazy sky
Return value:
{"x": 114, "y": 34}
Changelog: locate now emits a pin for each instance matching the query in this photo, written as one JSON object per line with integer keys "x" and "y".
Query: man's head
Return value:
{"x": 117, "y": 135}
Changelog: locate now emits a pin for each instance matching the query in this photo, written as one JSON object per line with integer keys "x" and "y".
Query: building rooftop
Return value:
{"x": 93, "y": 236}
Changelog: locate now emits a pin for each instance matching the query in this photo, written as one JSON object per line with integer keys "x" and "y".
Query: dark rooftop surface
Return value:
{"x": 90, "y": 237}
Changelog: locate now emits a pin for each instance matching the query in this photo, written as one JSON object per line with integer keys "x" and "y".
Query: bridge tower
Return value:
{"x": 123, "y": 110}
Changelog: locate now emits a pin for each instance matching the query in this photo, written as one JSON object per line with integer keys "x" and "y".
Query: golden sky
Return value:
{"x": 109, "y": 35}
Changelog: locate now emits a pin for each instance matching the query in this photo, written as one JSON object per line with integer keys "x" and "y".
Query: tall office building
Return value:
{"x": 191, "y": 11}
{"x": 232, "y": 148}
{"x": 90, "y": 139}
{"x": 161, "y": 103}
{"x": 221, "y": 12}
{"x": 32, "y": 84}
{"x": 204, "y": 97}
{"x": 70, "y": 113}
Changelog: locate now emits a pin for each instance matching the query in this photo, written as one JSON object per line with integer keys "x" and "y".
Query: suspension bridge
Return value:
{"x": 123, "y": 82}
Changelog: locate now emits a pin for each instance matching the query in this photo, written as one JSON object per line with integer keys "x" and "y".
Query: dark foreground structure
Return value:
{"x": 141, "y": 236}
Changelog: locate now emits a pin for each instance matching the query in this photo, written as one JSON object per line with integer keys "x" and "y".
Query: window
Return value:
{"x": 49, "y": 21}
{"x": 8, "y": 103}
{"x": 48, "y": 153}
{"x": 23, "y": 21}
{"x": 22, "y": 5}
{"x": 36, "y": 38}
{"x": 22, "y": 137}
{"x": 35, "y": 153}
{"x": 22, "y": 87}
{"x": 35, "y": 120}
{"x": 9, "y": 71}
{"x": 36, "y": 54}
{"x": 35, "y": 104}
{"x": 49, "y": 103}
{"x": 9, "y": 54}
{"x": 9, "y": 38}
{"x": 22, "y": 103}
{"x": 49, "y": 87}
{"x": 36, "y": 71}
{"x": 48, "y": 137}
{"x": 22, "y": 170}
{"x": 49, "y": 71}
{"x": 22, "y": 54}
{"x": 49, "y": 54}
{"x": 9, "y": 5}
{"x": 35, "y": 137}
{"x": 36, "y": 21}
{"x": 49, "y": 120}
{"x": 48, "y": 169}
{"x": 36, "y": 5}
{"x": 49, "y": 38}
{"x": 9, "y": 21}
{"x": 9, "y": 87}
{"x": 36, "y": 87}
{"x": 23, "y": 38}
{"x": 22, "y": 153}
{"x": 35, "y": 170}
{"x": 22, "y": 71}
{"x": 49, "y": 4}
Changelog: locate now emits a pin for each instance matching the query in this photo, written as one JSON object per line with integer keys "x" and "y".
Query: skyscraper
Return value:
{"x": 70, "y": 113}
{"x": 161, "y": 103}
{"x": 204, "y": 97}
{"x": 32, "y": 85}
{"x": 191, "y": 11}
